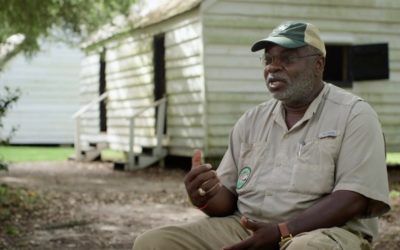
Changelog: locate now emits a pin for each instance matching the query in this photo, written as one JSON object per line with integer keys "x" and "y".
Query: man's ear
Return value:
{"x": 320, "y": 65}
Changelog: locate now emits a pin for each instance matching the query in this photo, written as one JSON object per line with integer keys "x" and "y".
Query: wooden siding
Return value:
{"x": 185, "y": 88}
{"x": 89, "y": 90}
{"x": 212, "y": 77}
{"x": 129, "y": 76}
{"x": 50, "y": 95}
{"x": 233, "y": 72}
{"x": 384, "y": 98}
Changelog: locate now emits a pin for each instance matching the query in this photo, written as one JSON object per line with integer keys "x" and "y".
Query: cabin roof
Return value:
{"x": 142, "y": 14}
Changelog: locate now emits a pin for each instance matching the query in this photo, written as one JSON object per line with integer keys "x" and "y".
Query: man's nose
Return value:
{"x": 273, "y": 66}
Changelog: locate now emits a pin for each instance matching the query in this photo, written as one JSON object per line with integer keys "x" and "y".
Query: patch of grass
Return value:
{"x": 36, "y": 153}
{"x": 23, "y": 154}
{"x": 393, "y": 158}
{"x": 17, "y": 207}
{"x": 14, "y": 201}
{"x": 113, "y": 155}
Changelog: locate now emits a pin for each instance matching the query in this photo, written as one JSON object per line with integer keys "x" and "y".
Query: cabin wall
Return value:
{"x": 49, "y": 84}
{"x": 89, "y": 90}
{"x": 130, "y": 84}
{"x": 185, "y": 87}
{"x": 234, "y": 76}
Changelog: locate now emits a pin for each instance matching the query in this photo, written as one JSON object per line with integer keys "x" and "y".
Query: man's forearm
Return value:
{"x": 222, "y": 204}
{"x": 333, "y": 210}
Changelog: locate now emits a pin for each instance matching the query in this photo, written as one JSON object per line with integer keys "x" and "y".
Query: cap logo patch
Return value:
{"x": 280, "y": 28}
{"x": 244, "y": 177}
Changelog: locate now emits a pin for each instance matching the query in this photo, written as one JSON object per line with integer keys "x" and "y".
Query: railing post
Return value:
{"x": 161, "y": 106}
{"x": 160, "y": 124}
{"x": 131, "y": 154}
{"x": 77, "y": 141}
{"x": 77, "y": 116}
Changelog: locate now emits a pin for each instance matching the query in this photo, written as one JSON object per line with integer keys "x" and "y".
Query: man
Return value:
{"x": 305, "y": 170}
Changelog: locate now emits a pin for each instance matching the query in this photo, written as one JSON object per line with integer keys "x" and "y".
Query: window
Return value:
{"x": 337, "y": 69}
{"x": 348, "y": 63}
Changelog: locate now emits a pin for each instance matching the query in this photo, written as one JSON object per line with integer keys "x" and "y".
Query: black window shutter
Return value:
{"x": 370, "y": 61}
{"x": 338, "y": 69}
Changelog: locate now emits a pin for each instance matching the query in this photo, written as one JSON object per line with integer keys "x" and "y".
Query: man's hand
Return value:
{"x": 265, "y": 236}
{"x": 201, "y": 182}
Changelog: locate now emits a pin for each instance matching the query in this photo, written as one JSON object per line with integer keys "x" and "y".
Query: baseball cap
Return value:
{"x": 292, "y": 35}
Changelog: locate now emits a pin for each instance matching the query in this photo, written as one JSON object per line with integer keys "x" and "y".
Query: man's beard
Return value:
{"x": 298, "y": 90}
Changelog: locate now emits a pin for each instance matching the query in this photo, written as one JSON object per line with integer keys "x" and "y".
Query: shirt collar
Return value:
{"x": 312, "y": 109}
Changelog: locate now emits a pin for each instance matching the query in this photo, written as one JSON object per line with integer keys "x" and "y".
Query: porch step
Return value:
{"x": 142, "y": 160}
{"x": 92, "y": 152}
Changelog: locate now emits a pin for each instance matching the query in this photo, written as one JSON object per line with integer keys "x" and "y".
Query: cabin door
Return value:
{"x": 102, "y": 90}
{"x": 159, "y": 71}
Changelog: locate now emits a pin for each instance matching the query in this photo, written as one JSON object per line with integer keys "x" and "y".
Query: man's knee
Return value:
{"x": 307, "y": 241}
{"x": 159, "y": 238}
{"x": 324, "y": 239}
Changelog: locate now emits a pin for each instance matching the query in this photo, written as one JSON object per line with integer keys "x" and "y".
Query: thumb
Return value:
{"x": 197, "y": 158}
{"x": 249, "y": 224}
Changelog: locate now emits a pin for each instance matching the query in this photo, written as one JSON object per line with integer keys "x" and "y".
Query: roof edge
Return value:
{"x": 138, "y": 20}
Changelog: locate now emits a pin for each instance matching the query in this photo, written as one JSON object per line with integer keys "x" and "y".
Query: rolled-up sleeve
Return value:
{"x": 228, "y": 168}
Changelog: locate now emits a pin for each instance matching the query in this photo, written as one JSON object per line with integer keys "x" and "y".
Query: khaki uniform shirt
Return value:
{"x": 337, "y": 145}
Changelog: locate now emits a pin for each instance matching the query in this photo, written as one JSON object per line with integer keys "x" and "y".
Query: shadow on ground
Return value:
{"x": 91, "y": 206}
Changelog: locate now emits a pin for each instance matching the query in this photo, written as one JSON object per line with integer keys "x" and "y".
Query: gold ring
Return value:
{"x": 201, "y": 192}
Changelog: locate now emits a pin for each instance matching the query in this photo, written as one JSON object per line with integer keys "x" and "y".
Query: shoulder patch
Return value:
{"x": 244, "y": 177}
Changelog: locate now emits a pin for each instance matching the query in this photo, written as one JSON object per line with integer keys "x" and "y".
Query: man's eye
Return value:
{"x": 288, "y": 59}
{"x": 268, "y": 59}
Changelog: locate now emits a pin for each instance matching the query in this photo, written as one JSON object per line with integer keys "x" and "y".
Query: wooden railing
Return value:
{"x": 161, "y": 105}
{"x": 77, "y": 117}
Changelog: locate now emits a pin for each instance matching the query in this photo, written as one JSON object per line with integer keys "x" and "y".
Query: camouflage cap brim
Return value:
{"x": 281, "y": 41}
{"x": 292, "y": 35}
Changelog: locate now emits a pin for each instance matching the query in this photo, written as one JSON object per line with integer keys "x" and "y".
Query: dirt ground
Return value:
{"x": 92, "y": 206}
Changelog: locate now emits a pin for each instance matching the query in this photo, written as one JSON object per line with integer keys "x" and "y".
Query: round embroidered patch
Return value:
{"x": 244, "y": 176}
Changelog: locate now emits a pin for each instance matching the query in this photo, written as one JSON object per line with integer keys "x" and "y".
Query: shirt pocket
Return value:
{"x": 314, "y": 167}
{"x": 250, "y": 155}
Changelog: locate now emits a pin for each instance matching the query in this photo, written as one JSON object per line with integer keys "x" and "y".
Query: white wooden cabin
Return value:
{"x": 49, "y": 82}
{"x": 212, "y": 77}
